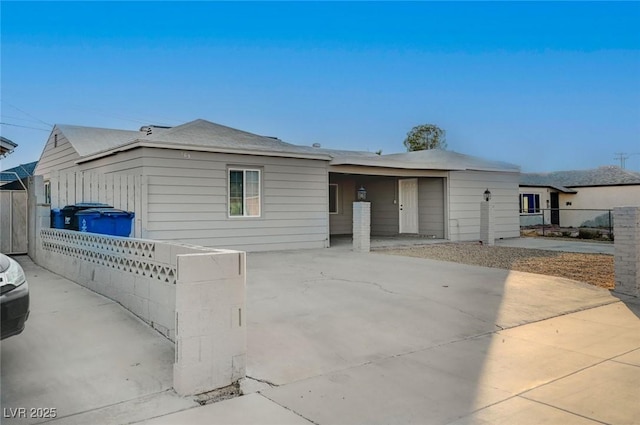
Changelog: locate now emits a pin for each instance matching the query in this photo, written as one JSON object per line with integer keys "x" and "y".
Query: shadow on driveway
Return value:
{"x": 342, "y": 337}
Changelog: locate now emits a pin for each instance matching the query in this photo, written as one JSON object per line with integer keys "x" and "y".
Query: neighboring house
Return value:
{"x": 6, "y": 146}
{"x": 577, "y": 198}
{"x": 9, "y": 177}
{"x": 212, "y": 185}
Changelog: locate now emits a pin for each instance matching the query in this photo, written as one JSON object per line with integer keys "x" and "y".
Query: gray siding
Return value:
{"x": 56, "y": 158}
{"x": 465, "y": 194}
{"x": 431, "y": 207}
{"x": 382, "y": 192}
{"x": 128, "y": 162}
{"x": 384, "y": 207}
{"x": 342, "y": 222}
{"x": 187, "y": 201}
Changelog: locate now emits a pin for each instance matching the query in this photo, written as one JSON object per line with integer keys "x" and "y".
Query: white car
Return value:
{"x": 14, "y": 297}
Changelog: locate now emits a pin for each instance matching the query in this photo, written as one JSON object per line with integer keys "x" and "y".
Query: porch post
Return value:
{"x": 487, "y": 233}
{"x": 361, "y": 226}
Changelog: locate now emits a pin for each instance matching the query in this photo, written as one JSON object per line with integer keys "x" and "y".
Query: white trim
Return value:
{"x": 244, "y": 192}
{"x": 337, "y": 211}
{"x": 164, "y": 145}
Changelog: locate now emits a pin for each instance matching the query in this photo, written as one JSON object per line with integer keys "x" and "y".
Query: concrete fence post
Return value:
{"x": 626, "y": 222}
{"x": 211, "y": 336}
{"x": 361, "y": 226}
{"x": 38, "y": 215}
{"x": 487, "y": 225}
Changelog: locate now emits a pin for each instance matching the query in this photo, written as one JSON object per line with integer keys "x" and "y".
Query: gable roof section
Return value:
{"x": 91, "y": 140}
{"x": 609, "y": 175}
{"x": 22, "y": 171}
{"x": 203, "y": 133}
{"x": 199, "y": 135}
{"x": 432, "y": 159}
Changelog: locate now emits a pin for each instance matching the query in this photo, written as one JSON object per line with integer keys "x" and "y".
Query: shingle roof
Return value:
{"x": 90, "y": 140}
{"x": 206, "y": 134}
{"x": 23, "y": 170}
{"x": 609, "y": 175}
{"x": 201, "y": 134}
{"x": 432, "y": 159}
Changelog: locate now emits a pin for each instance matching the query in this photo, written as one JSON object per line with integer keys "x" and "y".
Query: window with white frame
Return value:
{"x": 47, "y": 192}
{"x": 244, "y": 192}
{"x": 333, "y": 198}
{"x": 529, "y": 203}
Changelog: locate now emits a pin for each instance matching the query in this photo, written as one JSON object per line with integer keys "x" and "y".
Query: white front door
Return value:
{"x": 408, "y": 191}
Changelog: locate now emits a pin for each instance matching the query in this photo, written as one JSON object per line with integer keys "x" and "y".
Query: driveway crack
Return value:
{"x": 364, "y": 282}
{"x": 264, "y": 381}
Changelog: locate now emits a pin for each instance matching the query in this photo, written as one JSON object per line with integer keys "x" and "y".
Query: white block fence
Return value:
{"x": 192, "y": 295}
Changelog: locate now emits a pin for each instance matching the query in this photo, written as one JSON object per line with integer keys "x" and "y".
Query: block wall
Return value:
{"x": 627, "y": 250}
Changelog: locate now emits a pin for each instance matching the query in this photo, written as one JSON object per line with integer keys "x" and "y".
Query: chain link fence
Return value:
{"x": 579, "y": 223}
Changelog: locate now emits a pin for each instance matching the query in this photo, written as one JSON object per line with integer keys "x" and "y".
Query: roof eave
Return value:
{"x": 550, "y": 186}
{"x": 417, "y": 166}
{"x": 163, "y": 145}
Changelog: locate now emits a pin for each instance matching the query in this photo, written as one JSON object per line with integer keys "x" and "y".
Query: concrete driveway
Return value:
{"x": 337, "y": 337}
{"x": 351, "y": 338}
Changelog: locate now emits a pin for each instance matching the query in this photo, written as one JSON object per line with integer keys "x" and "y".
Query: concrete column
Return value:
{"x": 38, "y": 215}
{"x": 361, "y": 226}
{"x": 626, "y": 222}
{"x": 487, "y": 225}
{"x": 211, "y": 336}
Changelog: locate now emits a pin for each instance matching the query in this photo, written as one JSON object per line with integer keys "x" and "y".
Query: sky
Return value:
{"x": 547, "y": 86}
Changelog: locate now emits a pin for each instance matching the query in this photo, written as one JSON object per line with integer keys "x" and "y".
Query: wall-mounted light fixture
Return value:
{"x": 362, "y": 194}
{"x": 487, "y": 195}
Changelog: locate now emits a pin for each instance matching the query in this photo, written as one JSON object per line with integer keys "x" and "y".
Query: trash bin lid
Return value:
{"x": 110, "y": 212}
{"x": 85, "y": 205}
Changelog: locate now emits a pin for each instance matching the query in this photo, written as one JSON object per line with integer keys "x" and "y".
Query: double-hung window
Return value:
{"x": 244, "y": 192}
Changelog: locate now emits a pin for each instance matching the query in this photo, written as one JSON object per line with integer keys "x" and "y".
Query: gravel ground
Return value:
{"x": 595, "y": 269}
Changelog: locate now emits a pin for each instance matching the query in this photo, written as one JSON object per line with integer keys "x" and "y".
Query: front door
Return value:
{"x": 408, "y": 191}
{"x": 555, "y": 211}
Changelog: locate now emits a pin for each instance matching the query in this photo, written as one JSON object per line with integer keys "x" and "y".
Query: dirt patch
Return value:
{"x": 595, "y": 269}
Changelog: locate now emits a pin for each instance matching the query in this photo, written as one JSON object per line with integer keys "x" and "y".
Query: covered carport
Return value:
{"x": 401, "y": 203}
{"x": 433, "y": 194}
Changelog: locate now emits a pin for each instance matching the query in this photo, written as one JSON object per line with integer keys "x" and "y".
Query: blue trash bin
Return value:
{"x": 106, "y": 221}
{"x": 57, "y": 219}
